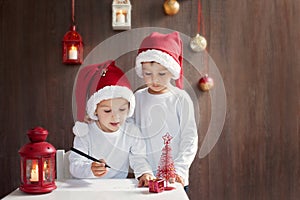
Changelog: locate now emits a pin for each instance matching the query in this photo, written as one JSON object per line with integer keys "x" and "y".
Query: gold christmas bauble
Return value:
{"x": 171, "y": 7}
{"x": 198, "y": 43}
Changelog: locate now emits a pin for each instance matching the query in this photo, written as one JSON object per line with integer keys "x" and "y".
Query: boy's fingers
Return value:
{"x": 172, "y": 180}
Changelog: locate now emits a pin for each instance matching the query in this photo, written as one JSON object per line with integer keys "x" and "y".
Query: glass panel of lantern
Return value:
{"x": 121, "y": 15}
{"x": 72, "y": 47}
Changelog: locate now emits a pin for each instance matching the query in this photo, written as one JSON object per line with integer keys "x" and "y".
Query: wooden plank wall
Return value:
{"x": 255, "y": 45}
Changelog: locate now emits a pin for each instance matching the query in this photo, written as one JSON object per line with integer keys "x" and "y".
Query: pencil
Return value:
{"x": 87, "y": 156}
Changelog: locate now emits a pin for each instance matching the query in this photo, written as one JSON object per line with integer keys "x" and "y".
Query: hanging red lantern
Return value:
{"x": 37, "y": 163}
{"x": 72, "y": 45}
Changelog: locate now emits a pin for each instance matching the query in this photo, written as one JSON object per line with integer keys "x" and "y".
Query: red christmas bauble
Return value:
{"x": 206, "y": 83}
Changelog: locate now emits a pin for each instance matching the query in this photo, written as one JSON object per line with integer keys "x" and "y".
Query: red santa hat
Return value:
{"x": 165, "y": 49}
{"x": 112, "y": 84}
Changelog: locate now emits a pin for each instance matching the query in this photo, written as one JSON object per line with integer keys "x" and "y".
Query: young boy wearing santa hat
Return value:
{"x": 162, "y": 108}
{"x": 109, "y": 137}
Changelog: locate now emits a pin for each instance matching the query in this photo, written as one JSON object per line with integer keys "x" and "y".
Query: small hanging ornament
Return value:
{"x": 198, "y": 43}
{"x": 72, "y": 45}
{"x": 206, "y": 83}
{"x": 171, "y": 7}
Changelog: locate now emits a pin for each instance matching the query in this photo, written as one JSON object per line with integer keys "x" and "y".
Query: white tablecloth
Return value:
{"x": 102, "y": 189}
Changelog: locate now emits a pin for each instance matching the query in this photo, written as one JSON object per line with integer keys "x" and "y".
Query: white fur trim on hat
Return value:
{"x": 80, "y": 129}
{"x": 160, "y": 57}
{"x": 110, "y": 92}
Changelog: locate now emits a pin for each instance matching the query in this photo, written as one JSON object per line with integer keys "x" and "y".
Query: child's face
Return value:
{"x": 112, "y": 113}
{"x": 156, "y": 77}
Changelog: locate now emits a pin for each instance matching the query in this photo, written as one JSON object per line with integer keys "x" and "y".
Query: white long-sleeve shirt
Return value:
{"x": 173, "y": 113}
{"x": 119, "y": 150}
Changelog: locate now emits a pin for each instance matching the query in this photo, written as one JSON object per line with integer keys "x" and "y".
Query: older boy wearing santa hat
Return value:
{"x": 162, "y": 108}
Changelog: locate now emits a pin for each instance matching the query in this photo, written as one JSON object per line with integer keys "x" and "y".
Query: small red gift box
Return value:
{"x": 156, "y": 185}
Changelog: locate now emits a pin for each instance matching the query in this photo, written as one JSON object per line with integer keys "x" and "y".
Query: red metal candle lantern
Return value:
{"x": 72, "y": 47}
{"x": 37, "y": 163}
{"x": 72, "y": 44}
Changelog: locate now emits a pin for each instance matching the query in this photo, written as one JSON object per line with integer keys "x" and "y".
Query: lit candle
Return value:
{"x": 73, "y": 54}
{"x": 45, "y": 170}
{"x": 120, "y": 17}
{"x": 34, "y": 175}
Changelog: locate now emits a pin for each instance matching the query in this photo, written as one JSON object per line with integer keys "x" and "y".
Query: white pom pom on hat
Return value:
{"x": 80, "y": 129}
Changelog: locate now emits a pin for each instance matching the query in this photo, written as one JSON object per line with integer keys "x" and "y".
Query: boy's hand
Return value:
{"x": 178, "y": 179}
{"x": 144, "y": 180}
{"x": 98, "y": 168}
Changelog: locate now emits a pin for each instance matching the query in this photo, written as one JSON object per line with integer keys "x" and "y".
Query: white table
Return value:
{"x": 104, "y": 189}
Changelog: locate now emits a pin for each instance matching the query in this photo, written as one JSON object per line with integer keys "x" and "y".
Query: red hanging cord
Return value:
{"x": 200, "y": 19}
{"x": 201, "y": 22}
{"x": 73, "y": 12}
